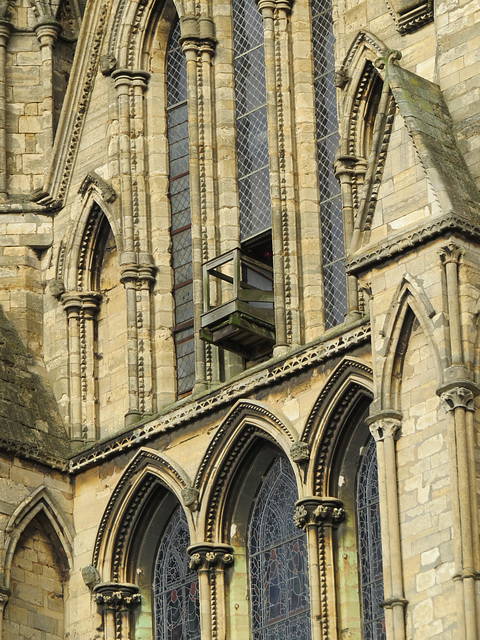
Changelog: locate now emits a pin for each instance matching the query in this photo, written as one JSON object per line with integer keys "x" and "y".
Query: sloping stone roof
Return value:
{"x": 30, "y": 424}
{"x": 429, "y": 123}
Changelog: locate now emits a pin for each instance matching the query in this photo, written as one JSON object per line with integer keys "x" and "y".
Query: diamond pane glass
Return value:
{"x": 370, "y": 545}
{"x": 333, "y": 250}
{"x": 279, "y": 588}
{"x": 177, "y": 131}
{"x": 252, "y": 129}
{"x": 175, "y": 588}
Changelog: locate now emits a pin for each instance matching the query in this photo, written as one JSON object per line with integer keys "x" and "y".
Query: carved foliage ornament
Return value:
{"x": 385, "y": 428}
{"x": 317, "y": 511}
{"x": 458, "y": 397}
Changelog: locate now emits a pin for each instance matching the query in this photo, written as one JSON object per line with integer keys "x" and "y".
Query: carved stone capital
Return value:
{"x": 385, "y": 424}
{"x": 6, "y": 29}
{"x": 136, "y": 273}
{"x": 300, "y": 452}
{"x": 115, "y": 596}
{"x": 458, "y": 397}
{"x": 451, "y": 253}
{"x": 47, "y": 31}
{"x": 344, "y": 165}
{"x": 75, "y": 301}
{"x": 316, "y": 510}
{"x": 206, "y": 556}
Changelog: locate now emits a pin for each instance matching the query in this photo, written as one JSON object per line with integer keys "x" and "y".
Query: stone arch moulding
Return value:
{"x": 132, "y": 25}
{"x": 147, "y": 471}
{"x": 38, "y": 502}
{"x": 94, "y": 193}
{"x": 247, "y": 421}
{"x": 349, "y": 387}
{"x": 409, "y": 295}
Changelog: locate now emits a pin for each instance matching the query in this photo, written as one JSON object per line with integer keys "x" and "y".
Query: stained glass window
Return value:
{"x": 279, "y": 585}
{"x": 333, "y": 249}
{"x": 177, "y": 613}
{"x": 251, "y": 114}
{"x": 370, "y": 545}
{"x": 177, "y": 131}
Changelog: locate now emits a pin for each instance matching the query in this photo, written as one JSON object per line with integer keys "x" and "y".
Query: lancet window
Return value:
{"x": 251, "y": 116}
{"x": 176, "y": 597}
{"x": 370, "y": 545}
{"x": 333, "y": 249}
{"x": 279, "y": 584}
{"x": 177, "y": 130}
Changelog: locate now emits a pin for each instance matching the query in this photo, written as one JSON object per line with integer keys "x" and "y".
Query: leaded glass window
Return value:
{"x": 175, "y": 588}
{"x": 251, "y": 114}
{"x": 370, "y": 545}
{"x": 333, "y": 248}
{"x": 177, "y": 131}
{"x": 279, "y": 586}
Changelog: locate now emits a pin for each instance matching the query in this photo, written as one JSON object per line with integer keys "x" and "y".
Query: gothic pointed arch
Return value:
{"x": 347, "y": 393}
{"x": 40, "y": 505}
{"x": 146, "y": 482}
{"x": 409, "y": 305}
{"x": 246, "y": 424}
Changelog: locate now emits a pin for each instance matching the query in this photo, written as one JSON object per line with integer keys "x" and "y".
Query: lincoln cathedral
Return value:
{"x": 239, "y": 319}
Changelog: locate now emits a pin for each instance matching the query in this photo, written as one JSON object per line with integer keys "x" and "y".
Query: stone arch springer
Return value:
{"x": 246, "y": 422}
{"x": 147, "y": 472}
{"x": 40, "y": 501}
{"x": 350, "y": 386}
{"x": 409, "y": 295}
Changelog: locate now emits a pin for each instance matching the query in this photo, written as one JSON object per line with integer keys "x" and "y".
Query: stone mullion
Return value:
{"x": 288, "y": 172}
{"x": 5, "y": 30}
{"x": 385, "y": 427}
{"x": 47, "y": 32}
{"x": 116, "y": 603}
{"x": 189, "y": 40}
{"x": 267, "y": 9}
{"x": 318, "y": 516}
{"x": 210, "y": 561}
{"x": 344, "y": 172}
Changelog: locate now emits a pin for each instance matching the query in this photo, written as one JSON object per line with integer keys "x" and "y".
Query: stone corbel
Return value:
{"x": 207, "y": 556}
{"x": 116, "y": 603}
{"x": 317, "y": 511}
{"x": 300, "y": 452}
{"x": 410, "y": 15}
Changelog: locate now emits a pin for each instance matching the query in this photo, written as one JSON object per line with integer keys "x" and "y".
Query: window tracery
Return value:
{"x": 176, "y": 596}
{"x": 370, "y": 545}
{"x": 177, "y": 132}
{"x": 279, "y": 584}
{"x": 333, "y": 249}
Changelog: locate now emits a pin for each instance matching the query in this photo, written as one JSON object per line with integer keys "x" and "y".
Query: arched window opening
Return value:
{"x": 333, "y": 248}
{"x": 279, "y": 586}
{"x": 370, "y": 545}
{"x": 372, "y": 100}
{"x": 175, "y": 585}
{"x": 251, "y": 116}
{"x": 181, "y": 235}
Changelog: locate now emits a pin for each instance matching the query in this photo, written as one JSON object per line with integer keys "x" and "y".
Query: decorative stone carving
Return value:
{"x": 382, "y": 428}
{"x": 458, "y": 397}
{"x": 410, "y": 15}
{"x": 300, "y": 452}
{"x": 56, "y": 288}
{"x": 207, "y": 556}
{"x": 190, "y": 498}
{"x": 108, "y": 63}
{"x": 90, "y": 576}
{"x": 451, "y": 253}
{"x": 108, "y": 192}
{"x": 115, "y": 596}
{"x": 316, "y": 510}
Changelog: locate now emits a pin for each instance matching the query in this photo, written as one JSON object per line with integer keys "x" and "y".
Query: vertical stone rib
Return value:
{"x": 5, "y": 29}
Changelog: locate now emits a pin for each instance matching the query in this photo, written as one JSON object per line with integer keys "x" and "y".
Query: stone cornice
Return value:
{"x": 410, "y": 240}
{"x": 227, "y": 394}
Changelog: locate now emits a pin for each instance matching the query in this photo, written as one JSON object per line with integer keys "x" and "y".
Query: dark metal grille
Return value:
{"x": 251, "y": 110}
{"x": 176, "y": 597}
{"x": 279, "y": 585}
{"x": 370, "y": 545}
{"x": 177, "y": 131}
{"x": 327, "y": 143}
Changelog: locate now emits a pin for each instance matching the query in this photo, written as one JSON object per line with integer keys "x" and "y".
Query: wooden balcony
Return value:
{"x": 244, "y": 321}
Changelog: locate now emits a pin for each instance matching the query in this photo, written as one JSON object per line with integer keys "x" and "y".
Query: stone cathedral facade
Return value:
{"x": 240, "y": 319}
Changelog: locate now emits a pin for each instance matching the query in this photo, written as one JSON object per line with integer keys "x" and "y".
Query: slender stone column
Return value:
{"x": 318, "y": 516}
{"x": 267, "y": 9}
{"x": 385, "y": 427}
{"x": 47, "y": 31}
{"x": 4, "y": 595}
{"x": 344, "y": 171}
{"x": 116, "y": 603}
{"x": 210, "y": 561}
{"x": 189, "y": 41}
{"x": 5, "y": 30}
{"x": 82, "y": 308}
{"x": 129, "y": 278}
